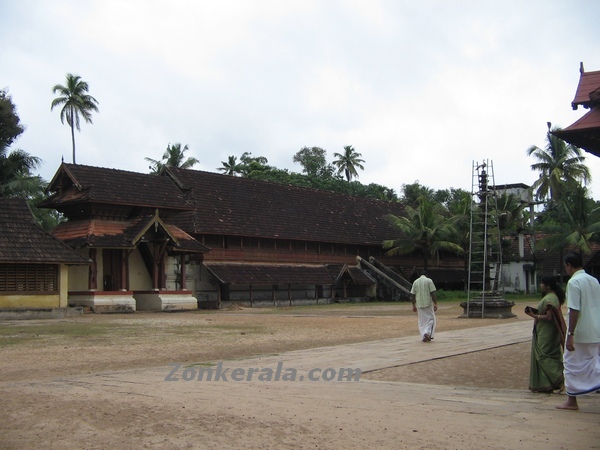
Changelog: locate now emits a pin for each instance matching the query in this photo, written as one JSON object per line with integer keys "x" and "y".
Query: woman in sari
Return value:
{"x": 546, "y": 372}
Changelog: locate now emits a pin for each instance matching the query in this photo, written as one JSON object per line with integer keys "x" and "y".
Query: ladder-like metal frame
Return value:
{"x": 484, "y": 255}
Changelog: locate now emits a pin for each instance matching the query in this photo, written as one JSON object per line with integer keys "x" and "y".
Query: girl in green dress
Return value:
{"x": 546, "y": 372}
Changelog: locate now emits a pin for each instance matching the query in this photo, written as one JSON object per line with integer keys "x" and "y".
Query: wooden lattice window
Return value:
{"x": 29, "y": 278}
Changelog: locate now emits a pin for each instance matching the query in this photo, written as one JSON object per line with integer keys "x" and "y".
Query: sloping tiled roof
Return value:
{"x": 585, "y": 132}
{"x": 120, "y": 234}
{"x": 588, "y": 83}
{"x": 588, "y": 122}
{"x": 23, "y": 241}
{"x": 185, "y": 242}
{"x": 269, "y": 274}
{"x": 92, "y": 233}
{"x": 358, "y": 276}
{"x": 244, "y": 207}
{"x": 74, "y": 183}
{"x": 511, "y": 251}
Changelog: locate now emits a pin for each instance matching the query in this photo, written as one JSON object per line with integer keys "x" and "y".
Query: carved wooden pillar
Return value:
{"x": 162, "y": 268}
{"x": 155, "y": 271}
{"x": 183, "y": 274}
{"x": 124, "y": 270}
{"x": 93, "y": 270}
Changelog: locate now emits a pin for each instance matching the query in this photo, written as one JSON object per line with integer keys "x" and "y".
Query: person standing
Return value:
{"x": 581, "y": 358}
{"x": 549, "y": 329}
{"x": 422, "y": 295}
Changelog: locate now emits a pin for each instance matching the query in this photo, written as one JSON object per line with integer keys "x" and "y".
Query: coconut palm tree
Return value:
{"x": 174, "y": 156}
{"x": 576, "y": 227}
{"x": 16, "y": 176}
{"x": 231, "y": 167}
{"x": 17, "y": 180}
{"x": 426, "y": 228}
{"x": 561, "y": 166}
{"x": 75, "y": 102}
{"x": 348, "y": 162}
{"x": 511, "y": 212}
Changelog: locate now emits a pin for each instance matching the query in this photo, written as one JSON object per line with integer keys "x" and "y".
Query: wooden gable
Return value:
{"x": 585, "y": 132}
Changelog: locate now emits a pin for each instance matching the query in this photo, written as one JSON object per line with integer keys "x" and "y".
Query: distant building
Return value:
{"x": 519, "y": 268}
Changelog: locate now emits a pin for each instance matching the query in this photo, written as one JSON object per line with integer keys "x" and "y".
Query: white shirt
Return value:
{"x": 422, "y": 288}
{"x": 583, "y": 295}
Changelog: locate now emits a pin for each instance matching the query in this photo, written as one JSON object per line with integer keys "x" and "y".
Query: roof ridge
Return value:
{"x": 289, "y": 186}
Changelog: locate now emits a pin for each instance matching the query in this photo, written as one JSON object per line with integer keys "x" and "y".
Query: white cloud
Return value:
{"x": 421, "y": 89}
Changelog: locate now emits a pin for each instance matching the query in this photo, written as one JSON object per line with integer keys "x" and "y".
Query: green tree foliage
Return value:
{"x": 75, "y": 102}
{"x": 561, "y": 166}
{"x": 16, "y": 174}
{"x": 331, "y": 183}
{"x": 458, "y": 205}
{"x": 511, "y": 212}
{"x": 174, "y": 156}
{"x": 48, "y": 219}
{"x": 426, "y": 229}
{"x": 572, "y": 221}
{"x": 454, "y": 199}
{"x": 10, "y": 123}
{"x": 17, "y": 167}
{"x": 257, "y": 165}
{"x": 312, "y": 159}
{"x": 323, "y": 176}
{"x": 348, "y": 162}
{"x": 411, "y": 193}
{"x": 231, "y": 167}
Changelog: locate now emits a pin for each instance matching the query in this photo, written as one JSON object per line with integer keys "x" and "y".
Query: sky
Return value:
{"x": 423, "y": 90}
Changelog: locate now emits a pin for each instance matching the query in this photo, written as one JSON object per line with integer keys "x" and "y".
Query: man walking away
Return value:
{"x": 582, "y": 347}
{"x": 422, "y": 295}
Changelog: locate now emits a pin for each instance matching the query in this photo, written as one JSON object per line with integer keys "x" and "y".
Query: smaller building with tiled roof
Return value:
{"x": 119, "y": 219}
{"x": 33, "y": 264}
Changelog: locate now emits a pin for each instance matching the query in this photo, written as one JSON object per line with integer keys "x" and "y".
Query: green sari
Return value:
{"x": 546, "y": 372}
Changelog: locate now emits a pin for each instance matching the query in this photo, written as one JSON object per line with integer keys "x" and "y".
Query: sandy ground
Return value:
{"x": 139, "y": 340}
{"x": 98, "y": 381}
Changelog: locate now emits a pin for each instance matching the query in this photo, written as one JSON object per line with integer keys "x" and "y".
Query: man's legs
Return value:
{"x": 426, "y": 323}
{"x": 582, "y": 372}
{"x": 570, "y": 404}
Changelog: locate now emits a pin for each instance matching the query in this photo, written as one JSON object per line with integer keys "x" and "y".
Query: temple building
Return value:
{"x": 186, "y": 239}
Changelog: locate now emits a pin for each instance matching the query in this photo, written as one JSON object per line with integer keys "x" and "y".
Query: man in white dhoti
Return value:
{"x": 582, "y": 347}
{"x": 422, "y": 295}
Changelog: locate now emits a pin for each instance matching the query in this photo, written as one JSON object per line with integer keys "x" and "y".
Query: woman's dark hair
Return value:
{"x": 553, "y": 285}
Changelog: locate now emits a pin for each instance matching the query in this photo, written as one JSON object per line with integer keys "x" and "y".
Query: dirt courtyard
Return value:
{"x": 83, "y": 382}
{"x": 101, "y": 342}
